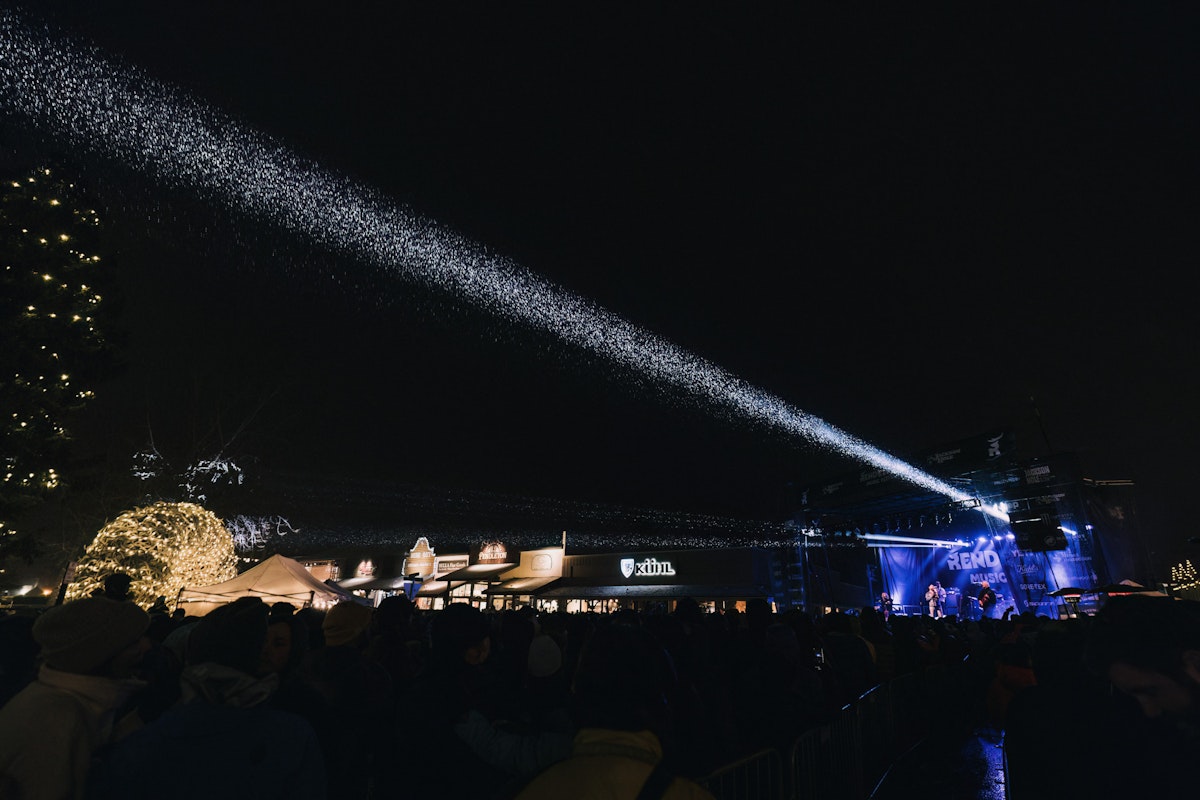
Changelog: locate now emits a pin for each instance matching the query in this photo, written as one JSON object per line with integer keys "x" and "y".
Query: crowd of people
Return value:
{"x": 102, "y": 698}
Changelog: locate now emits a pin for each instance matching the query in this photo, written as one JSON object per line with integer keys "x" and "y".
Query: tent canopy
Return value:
{"x": 278, "y": 579}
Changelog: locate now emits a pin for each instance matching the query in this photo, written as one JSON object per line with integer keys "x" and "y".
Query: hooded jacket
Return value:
{"x": 608, "y": 765}
{"x": 51, "y": 729}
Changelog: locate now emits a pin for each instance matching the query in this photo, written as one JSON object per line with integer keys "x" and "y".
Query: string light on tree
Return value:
{"x": 51, "y": 346}
{"x": 163, "y": 547}
{"x": 256, "y": 533}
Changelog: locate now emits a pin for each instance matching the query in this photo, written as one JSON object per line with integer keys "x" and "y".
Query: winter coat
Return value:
{"x": 223, "y": 740}
{"x": 608, "y": 765}
{"x": 50, "y": 730}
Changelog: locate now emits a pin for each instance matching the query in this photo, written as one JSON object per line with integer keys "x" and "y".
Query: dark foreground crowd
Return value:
{"x": 102, "y": 699}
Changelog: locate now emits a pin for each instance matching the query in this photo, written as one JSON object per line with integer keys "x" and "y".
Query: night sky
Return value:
{"x": 918, "y": 226}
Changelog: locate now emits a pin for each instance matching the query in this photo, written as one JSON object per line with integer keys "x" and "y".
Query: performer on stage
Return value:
{"x": 941, "y": 599}
{"x": 885, "y": 605}
{"x": 987, "y": 600}
{"x": 931, "y": 600}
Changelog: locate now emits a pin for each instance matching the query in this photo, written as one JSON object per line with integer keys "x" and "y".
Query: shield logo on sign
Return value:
{"x": 626, "y": 567}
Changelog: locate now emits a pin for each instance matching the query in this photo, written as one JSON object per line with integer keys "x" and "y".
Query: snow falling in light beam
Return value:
{"x": 73, "y": 93}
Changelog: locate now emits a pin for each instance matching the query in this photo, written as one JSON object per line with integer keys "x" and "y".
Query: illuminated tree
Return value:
{"x": 50, "y": 344}
{"x": 257, "y": 532}
{"x": 163, "y": 547}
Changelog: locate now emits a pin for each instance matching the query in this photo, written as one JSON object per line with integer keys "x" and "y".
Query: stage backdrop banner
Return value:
{"x": 907, "y": 572}
{"x": 1021, "y": 579}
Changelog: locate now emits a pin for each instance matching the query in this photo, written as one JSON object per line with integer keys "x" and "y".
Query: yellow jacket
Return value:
{"x": 608, "y": 765}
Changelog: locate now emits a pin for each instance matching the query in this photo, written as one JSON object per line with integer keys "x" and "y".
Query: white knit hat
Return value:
{"x": 545, "y": 656}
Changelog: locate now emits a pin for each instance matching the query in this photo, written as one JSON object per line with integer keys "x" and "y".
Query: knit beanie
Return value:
{"x": 83, "y": 635}
{"x": 176, "y": 641}
{"x": 345, "y": 622}
{"x": 232, "y": 635}
{"x": 545, "y": 656}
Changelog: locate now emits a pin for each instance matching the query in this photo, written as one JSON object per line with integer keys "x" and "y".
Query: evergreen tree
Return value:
{"x": 53, "y": 346}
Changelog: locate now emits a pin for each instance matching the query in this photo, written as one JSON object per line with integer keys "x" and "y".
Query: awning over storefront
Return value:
{"x": 546, "y": 573}
{"x": 568, "y": 588}
{"x": 477, "y": 573}
{"x": 351, "y": 584}
{"x": 394, "y": 584}
{"x": 521, "y": 586}
{"x": 433, "y": 589}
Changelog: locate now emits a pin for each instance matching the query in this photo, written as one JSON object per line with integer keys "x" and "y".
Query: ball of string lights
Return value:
{"x": 162, "y": 547}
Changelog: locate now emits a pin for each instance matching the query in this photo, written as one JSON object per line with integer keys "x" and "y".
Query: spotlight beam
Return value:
{"x": 73, "y": 93}
{"x": 888, "y": 540}
{"x": 930, "y": 545}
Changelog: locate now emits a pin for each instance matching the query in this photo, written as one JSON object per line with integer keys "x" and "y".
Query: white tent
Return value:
{"x": 278, "y": 579}
{"x": 1137, "y": 588}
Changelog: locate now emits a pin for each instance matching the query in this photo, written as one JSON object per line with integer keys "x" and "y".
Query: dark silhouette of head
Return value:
{"x": 393, "y": 614}
{"x": 758, "y": 613}
{"x": 460, "y": 633}
{"x": 623, "y": 681}
{"x": 116, "y": 586}
{"x": 231, "y": 635}
{"x": 1149, "y": 648}
{"x": 689, "y": 611}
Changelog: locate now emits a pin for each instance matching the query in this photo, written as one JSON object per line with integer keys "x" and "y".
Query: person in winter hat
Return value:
{"x": 355, "y": 693}
{"x": 90, "y": 650}
{"x": 223, "y": 721}
{"x": 346, "y": 623}
{"x": 621, "y": 697}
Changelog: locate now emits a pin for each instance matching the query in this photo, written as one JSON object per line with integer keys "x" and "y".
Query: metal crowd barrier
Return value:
{"x": 826, "y": 762}
{"x": 849, "y": 756}
{"x": 877, "y": 734}
{"x": 756, "y": 777}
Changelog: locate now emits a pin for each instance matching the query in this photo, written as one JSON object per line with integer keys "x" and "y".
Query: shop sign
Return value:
{"x": 445, "y": 565}
{"x": 493, "y": 553}
{"x": 647, "y": 567}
